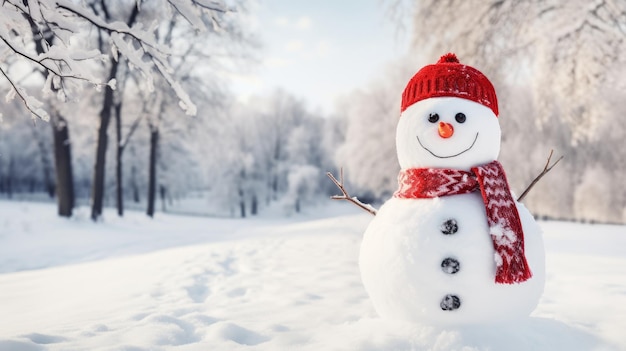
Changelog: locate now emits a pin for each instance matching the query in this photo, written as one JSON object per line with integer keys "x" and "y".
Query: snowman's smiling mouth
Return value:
{"x": 455, "y": 155}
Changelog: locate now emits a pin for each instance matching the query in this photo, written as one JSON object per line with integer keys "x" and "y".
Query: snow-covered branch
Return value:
{"x": 51, "y": 62}
{"x": 142, "y": 37}
{"x": 31, "y": 104}
{"x": 62, "y": 27}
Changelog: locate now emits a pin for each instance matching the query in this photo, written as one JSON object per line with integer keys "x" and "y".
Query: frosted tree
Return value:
{"x": 227, "y": 149}
{"x": 172, "y": 135}
{"x": 271, "y": 152}
{"x": 570, "y": 47}
{"x": 566, "y": 56}
{"x": 306, "y": 158}
{"x": 277, "y": 115}
{"x": 196, "y": 14}
{"x": 303, "y": 181}
{"x": 129, "y": 30}
{"x": 25, "y": 41}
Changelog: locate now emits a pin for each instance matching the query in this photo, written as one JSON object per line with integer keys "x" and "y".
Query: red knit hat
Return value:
{"x": 448, "y": 77}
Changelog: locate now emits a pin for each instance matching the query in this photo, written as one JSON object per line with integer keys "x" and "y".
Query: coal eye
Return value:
{"x": 433, "y": 117}
{"x": 460, "y": 117}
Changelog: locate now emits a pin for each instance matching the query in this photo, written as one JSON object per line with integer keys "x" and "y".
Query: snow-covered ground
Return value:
{"x": 194, "y": 283}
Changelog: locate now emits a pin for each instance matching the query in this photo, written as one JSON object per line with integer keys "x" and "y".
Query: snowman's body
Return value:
{"x": 407, "y": 265}
{"x": 432, "y": 260}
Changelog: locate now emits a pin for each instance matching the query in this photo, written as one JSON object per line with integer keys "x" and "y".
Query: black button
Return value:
{"x": 449, "y": 227}
{"x": 450, "y": 265}
{"x": 450, "y": 303}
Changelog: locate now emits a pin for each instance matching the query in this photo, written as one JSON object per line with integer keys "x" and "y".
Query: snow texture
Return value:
{"x": 192, "y": 283}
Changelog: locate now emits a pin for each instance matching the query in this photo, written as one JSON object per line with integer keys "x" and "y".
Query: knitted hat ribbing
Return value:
{"x": 448, "y": 77}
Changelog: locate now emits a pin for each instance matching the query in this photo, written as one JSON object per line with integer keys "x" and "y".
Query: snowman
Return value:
{"x": 452, "y": 246}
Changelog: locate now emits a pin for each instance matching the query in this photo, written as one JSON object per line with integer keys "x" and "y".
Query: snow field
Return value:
{"x": 191, "y": 283}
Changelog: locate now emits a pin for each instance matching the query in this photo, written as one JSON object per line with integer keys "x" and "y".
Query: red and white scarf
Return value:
{"x": 503, "y": 219}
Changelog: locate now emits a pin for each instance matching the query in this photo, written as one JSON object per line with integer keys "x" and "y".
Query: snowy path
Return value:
{"x": 180, "y": 283}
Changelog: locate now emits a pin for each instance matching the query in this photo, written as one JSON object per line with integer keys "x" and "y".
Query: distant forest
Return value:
{"x": 558, "y": 68}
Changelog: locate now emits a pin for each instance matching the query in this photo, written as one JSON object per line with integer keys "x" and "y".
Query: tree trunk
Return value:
{"x": 254, "y": 206}
{"x": 97, "y": 190}
{"x": 9, "y": 179}
{"x": 242, "y": 204}
{"x": 61, "y": 141}
{"x": 63, "y": 166}
{"x": 133, "y": 183}
{"x": 45, "y": 163}
{"x": 163, "y": 192}
{"x": 105, "y": 117}
{"x": 277, "y": 154}
{"x": 154, "y": 143}
{"x": 118, "y": 160}
{"x": 275, "y": 185}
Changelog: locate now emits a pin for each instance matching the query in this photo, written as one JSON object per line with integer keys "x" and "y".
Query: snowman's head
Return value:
{"x": 449, "y": 118}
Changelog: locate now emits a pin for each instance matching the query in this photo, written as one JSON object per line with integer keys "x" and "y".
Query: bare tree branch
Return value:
{"x": 346, "y": 196}
{"x": 546, "y": 169}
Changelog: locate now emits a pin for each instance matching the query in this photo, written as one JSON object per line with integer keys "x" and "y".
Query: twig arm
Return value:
{"x": 346, "y": 196}
{"x": 546, "y": 169}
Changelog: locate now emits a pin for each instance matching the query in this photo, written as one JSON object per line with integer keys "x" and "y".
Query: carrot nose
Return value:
{"x": 445, "y": 130}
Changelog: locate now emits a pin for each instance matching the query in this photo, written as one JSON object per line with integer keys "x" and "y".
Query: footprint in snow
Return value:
{"x": 236, "y": 333}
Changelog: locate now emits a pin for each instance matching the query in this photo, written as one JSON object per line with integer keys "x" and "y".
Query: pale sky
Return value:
{"x": 320, "y": 49}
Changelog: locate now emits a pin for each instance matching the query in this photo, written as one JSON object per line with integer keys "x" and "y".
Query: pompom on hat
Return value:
{"x": 448, "y": 77}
